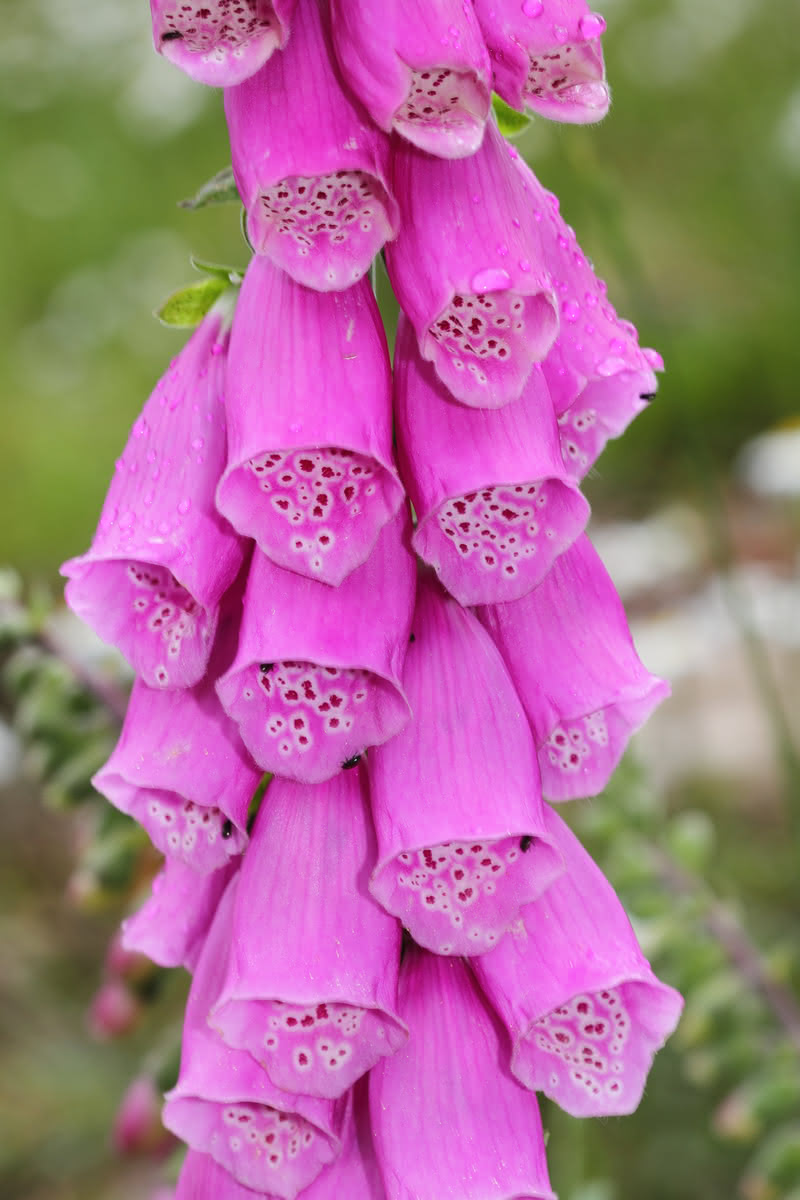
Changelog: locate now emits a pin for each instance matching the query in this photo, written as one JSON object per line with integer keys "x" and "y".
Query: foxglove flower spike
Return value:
{"x": 584, "y": 1011}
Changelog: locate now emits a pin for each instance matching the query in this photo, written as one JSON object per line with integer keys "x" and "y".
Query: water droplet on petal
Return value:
{"x": 570, "y": 310}
{"x": 532, "y": 8}
{"x": 184, "y": 507}
{"x": 592, "y": 26}
{"x": 492, "y": 279}
{"x": 654, "y": 359}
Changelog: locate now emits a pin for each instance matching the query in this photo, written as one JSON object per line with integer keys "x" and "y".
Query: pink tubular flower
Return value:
{"x": 569, "y": 651}
{"x": 312, "y": 975}
{"x": 113, "y": 1012}
{"x": 354, "y": 1175}
{"x": 220, "y": 42}
{"x": 584, "y": 1011}
{"x": 467, "y": 270}
{"x": 162, "y": 556}
{"x": 172, "y": 925}
{"x": 599, "y": 377}
{"x": 447, "y": 1117}
{"x": 547, "y": 55}
{"x": 180, "y": 769}
{"x": 494, "y": 503}
{"x": 317, "y": 676}
{"x": 419, "y": 67}
{"x": 310, "y": 166}
{"x": 225, "y": 1105}
{"x": 310, "y": 473}
{"x": 455, "y": 796}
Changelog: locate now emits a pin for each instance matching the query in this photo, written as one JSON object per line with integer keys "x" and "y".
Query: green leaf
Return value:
{"x": 186, "y": 308}
{"x": 510, "y": 122}
{"x": 219, "y": 189}
{"x": 231, "y": 275}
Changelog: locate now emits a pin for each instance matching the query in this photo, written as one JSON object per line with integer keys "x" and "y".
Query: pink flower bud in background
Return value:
{"x": 137, "y": 1127}
{"x": 113, "y": 1012}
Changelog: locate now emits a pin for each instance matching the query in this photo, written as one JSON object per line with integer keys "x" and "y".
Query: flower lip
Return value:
{"x": 215, "y": 45}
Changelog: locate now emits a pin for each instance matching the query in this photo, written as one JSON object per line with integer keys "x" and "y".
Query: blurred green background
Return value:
{"x": 686, "y": 198}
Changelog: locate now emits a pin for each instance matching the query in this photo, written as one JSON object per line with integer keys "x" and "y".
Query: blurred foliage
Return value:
{"x": 686, "y": 199}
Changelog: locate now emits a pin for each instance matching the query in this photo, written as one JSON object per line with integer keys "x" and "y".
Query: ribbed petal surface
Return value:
{"x": 467, "y": 269}
{"x": 598, "y": 375}
{"x": 310, "y": 166}
{"x": 584, "y": 1011}
{"x": 312, "y": 978}
{"x": 547, "y": 54}
{"x": 220, "y": 42}
{"x": 419, "y": 67}
{"x": 225, "y": 1105}
{"x": 180, "y": 768}
{"x": 310, "y": 473}
{"x": 354, "y": 1175}
{"x": 317, "y": 676}
{"x": 449, "y": 1121}
{"x": 457, "y": 790}
{"x": 171, "y": 926}
{"x": 570, "y": 654}
{"x": 162, "y": 556}
{"x": 494, "y": 503}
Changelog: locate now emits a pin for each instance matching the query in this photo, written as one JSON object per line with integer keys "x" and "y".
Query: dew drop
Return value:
{"x": 570, "y": 311}
{"x": 592, "y": 26}
{"x": 492, "y": 279}
{"x": 533, "y": 8}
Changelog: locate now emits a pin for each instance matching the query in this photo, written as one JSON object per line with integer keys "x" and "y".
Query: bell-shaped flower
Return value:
{"x": 180, "y": 768}
{"x": 310, "y": 473}
{"x": 547, "y": 54}
{"x": 311, "y": 168}
{"x": 598, "y": 375}
{"x": 354, "y": 1175}
{"x": 312, "y": 975}
{"x": 467, "y": 269}
{"x": 172, "y": 925}
{"x": 225, "y": 1105}
{"x": 162, "y": 556}
{"x": 494, "y": 503}
{"x": 447, "y": 1117}
{"x": 570, "y": 654}
{"x": 316, "y": 679}
{"x": 455, "y": 795}
{"x": 220, "y": 42}
{"x": 584, "y": 1011}
{"x": 419, "y": 67}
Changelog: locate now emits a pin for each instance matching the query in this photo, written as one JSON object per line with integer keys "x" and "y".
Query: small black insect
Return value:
{"x": 411, "y": 638}
{"x": 647, "y": 396}
{"x": 349, "y": 763}
{"x": 227, "y": 829}
{"x": 265, "y": 668}
{"x": 526, "y": 842}
{"x": 171, "y": 35}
